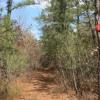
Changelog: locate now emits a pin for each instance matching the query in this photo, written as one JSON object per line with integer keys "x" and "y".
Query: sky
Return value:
{"x": 26, "y": 16}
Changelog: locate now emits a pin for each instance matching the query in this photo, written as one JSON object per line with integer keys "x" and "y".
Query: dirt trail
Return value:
{"x": 40, "y": 86}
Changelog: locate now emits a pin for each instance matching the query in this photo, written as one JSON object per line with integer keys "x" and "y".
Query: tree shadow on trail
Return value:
{"x": 43, "y": 81}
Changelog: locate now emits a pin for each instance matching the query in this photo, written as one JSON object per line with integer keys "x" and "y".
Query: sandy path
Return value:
{"x": 40, "y": 86}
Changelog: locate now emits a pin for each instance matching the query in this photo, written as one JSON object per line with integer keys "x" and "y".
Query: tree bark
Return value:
{"x": 97, "y": 21}
{"x": 9, "y": 8}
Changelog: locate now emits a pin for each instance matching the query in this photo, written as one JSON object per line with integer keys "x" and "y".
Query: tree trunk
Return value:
{"x": 97, "y": 21}
{"x": 9, "y": 8}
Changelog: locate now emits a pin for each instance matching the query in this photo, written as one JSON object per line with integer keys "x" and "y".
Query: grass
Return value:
{"x": 13, "y": 90}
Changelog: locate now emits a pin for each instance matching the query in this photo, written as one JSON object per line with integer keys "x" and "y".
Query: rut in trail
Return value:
{"x": 40, "y": 85}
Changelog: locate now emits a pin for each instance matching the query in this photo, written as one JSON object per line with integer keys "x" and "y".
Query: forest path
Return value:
{"x": 40, "y": 85}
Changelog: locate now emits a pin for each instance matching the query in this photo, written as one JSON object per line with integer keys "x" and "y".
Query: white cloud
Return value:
{"x": 43, "y": 3}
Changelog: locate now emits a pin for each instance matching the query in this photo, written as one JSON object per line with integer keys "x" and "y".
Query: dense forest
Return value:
{"x": 69, "y": 47}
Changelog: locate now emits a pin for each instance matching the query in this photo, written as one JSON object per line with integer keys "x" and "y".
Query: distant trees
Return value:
{"x": 30, "y": 46}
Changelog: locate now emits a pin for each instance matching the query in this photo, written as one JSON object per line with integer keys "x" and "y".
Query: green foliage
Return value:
{"x": 68, "y": 39}
{"x": 8, "y": 52}
{"x": 16, "y": 62}
{"x": 59, "y": 38}
{"x": 24, "y": 3}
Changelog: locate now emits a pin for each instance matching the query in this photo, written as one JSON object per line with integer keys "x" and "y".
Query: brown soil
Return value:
{"x": 40, "y": 85}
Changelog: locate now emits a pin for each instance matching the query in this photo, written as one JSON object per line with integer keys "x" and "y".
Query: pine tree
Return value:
{"x": 68, "y": 37}
{"x": 7, "y": 39}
